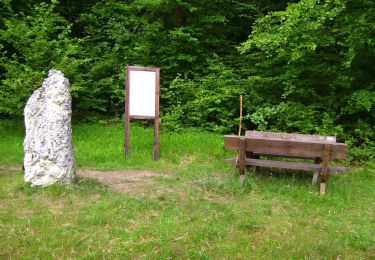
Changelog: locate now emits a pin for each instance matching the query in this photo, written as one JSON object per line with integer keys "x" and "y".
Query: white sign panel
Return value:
{"x": 142, "y": 88}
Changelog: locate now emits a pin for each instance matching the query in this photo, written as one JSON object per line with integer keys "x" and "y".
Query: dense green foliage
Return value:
{"x": 302, "y": 66}
{"x": 30, "y": 44}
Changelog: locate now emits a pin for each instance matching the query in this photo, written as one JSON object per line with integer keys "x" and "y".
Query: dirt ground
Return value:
{"x": 125, "y": 181}
{"x": 134, "y": 182}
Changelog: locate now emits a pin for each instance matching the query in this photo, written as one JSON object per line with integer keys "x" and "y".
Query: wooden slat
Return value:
{"x": 231, "y": 142}
{"x": 285, "y": 156}
{"x": 289, "y": 165}
{"x": 287, "y": 148}
{"x": 295, "y": 148}
{"x": 290, "y": 137}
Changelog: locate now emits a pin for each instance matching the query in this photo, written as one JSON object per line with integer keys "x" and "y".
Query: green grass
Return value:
{"x": 108, "y": 144}
{"x": 199, "y": 211}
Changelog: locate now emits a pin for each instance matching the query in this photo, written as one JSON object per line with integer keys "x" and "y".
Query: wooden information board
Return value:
{"x": 142, "y": 101}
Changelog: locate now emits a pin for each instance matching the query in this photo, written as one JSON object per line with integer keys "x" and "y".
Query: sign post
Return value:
{"x": 142, "y": 101}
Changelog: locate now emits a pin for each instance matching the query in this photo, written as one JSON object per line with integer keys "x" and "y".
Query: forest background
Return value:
{"x": 302, "y": 66}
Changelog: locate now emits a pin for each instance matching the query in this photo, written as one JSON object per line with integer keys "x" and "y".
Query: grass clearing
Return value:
{"x": 199, "y": 211}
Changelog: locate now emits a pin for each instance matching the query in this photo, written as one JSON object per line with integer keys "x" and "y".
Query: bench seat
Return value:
{"x": 289, "y": 165}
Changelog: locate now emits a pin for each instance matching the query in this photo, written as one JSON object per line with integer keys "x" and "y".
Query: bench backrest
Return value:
{"x": 287, "y": 147}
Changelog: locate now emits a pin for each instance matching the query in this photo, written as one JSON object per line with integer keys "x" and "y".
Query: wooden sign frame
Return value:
{"x": 135, "y": 111}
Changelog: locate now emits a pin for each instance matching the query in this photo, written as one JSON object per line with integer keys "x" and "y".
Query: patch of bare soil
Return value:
{"x": 11, "y": 168}
{"x": 130, "y": 181}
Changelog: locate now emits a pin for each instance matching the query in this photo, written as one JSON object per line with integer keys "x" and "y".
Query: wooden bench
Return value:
{"x": 321, "y": 149}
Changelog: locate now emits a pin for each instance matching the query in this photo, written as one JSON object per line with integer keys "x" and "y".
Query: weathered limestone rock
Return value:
{"x": 49, "y": 153}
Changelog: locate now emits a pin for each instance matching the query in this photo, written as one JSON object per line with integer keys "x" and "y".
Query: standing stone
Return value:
{"x": 49, "y": 153}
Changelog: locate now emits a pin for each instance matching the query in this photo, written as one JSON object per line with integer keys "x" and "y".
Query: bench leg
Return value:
{"x": 316, "y": 173}
{"x": 252, "y": 156}
{"x": 242, "y": 159}
{"x": 323, "y": 174}
{"x": 322, "y": 188}
{"x": 315, "y": 177}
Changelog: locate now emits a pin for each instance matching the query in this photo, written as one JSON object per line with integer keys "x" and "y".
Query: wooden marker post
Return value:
{"x": 240, "y": 126}
{"x": 142, "y": 101}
